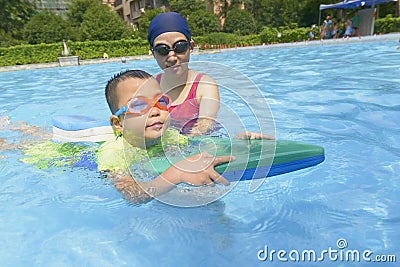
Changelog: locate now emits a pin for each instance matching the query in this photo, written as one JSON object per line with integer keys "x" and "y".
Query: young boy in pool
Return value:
{"x": 195, "y": 96}
{"x": 141, "y": 117}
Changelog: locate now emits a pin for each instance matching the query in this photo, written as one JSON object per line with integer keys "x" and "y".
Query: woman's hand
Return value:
{"x": 254, "y": 135}
{"x": 201, "y": 126}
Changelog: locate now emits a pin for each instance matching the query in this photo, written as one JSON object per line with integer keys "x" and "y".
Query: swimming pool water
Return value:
{"x": 345, "y": 98}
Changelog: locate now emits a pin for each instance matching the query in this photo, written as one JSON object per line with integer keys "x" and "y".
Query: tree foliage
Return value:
{"x": 268, "y": 12}
{"x": 240, "y": 22}
{"x": 199, "y": 19}
{"x": 186, "y": 7}
{"x": 77, "y": 9}
{"x": 309, "y": 12}
{"x": 202, "y": 22}
{"x": 101, "y": 23}
{"x": 13, "y": 16}
{"x": 144, "y": 21}
{"x": 54, "y": 30}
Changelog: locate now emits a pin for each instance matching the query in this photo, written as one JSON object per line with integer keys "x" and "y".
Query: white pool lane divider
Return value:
{"x": 76, "y": 128}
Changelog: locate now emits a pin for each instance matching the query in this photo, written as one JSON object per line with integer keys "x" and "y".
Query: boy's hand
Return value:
{"x": 130, "y": 189}
{"x": 254, "y": 135}
{"x": 4, "y": 122}
{"x": 197, "y": 170}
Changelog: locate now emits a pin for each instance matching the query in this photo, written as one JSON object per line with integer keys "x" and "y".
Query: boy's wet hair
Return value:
{"x": 112, "y": 84}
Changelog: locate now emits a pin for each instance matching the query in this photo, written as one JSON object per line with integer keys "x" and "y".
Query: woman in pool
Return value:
{"x": 141, "y": 116}
{"x": 195, "y": 96}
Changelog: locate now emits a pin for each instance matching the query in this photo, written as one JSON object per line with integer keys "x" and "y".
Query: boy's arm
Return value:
{"x": 130, "y": 189}
{"x": 196, "y": 170}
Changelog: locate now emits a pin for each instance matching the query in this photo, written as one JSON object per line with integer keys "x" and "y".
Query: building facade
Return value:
{"x": 61, "y": 6}
{"x": 55, "y": 6}
{"x": 131, "y": 10}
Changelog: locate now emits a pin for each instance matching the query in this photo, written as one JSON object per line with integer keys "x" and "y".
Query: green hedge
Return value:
{"x": 119, "y": 48}
{"x": 27, "y": 54}
{"x": 387, "y": 24}
{"x": 283, "y": 35}
{"x": 45, "y": 53}
{"x": 267, "y": 36}
{"x": 221, "y": 39}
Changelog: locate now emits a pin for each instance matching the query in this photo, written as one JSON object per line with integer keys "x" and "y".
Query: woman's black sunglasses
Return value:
{"x": 179, "y": 48}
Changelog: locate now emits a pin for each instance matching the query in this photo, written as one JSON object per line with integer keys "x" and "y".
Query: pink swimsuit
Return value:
{"x": 184, "y": 115}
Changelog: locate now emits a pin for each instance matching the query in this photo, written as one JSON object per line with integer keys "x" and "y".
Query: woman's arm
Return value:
{"x": 254, "y": 135}
{"x": 208, "y": 97}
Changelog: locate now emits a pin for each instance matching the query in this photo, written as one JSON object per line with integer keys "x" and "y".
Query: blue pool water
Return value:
{"x": 345, "y": 98}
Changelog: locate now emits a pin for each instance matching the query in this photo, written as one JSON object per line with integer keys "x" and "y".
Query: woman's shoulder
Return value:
{"x": 199, "y": 75}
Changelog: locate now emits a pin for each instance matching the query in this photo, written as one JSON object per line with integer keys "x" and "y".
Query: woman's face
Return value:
{"x": 175, "y": 63}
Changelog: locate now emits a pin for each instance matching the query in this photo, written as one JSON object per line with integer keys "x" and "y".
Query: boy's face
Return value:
{"x": 143, "y": 128}
{"x": 172, "y": 61}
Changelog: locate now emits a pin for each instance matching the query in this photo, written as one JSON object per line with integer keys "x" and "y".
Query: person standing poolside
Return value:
{"x": 195, "y": 96}
{"x": 327, "y": 27}
{"x": 311, "y": 33}
{"x": 349, "y": 29}
{"x": 355, "y": 20}
{"x": 337, "y": 31}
